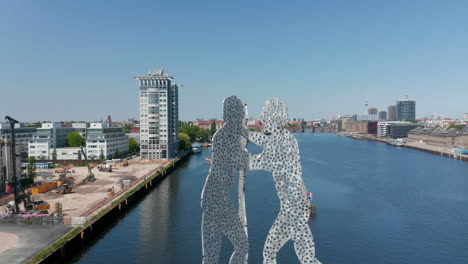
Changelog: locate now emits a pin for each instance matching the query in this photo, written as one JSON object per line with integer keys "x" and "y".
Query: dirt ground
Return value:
{"x": 85, "y": 194}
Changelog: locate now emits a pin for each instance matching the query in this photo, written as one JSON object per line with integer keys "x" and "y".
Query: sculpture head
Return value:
{"x": 233, "y": 110}
{"x": 274, "y": 115}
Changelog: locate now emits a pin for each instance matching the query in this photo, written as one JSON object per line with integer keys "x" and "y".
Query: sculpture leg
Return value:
{"x": 234, "y": 231}
{"x": 304, "y": 245}
{"x": 211, "y": 239}
{"x": 277, "y": 237}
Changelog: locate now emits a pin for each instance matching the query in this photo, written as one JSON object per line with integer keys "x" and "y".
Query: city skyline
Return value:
{"x": 75, "y": 61}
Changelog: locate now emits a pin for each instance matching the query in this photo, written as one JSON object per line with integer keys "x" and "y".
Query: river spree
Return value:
{"x": 376, "y": 204}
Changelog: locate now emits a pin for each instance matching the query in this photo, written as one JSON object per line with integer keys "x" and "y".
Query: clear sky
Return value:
{"x": 74, "y": 60}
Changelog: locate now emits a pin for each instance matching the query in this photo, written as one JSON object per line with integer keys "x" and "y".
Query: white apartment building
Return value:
{"x": 159, "y": 116}
{"x": 23, "y": 135}
{"x": 106, "y": 140}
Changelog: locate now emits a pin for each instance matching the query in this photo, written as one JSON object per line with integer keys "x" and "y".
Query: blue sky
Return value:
{"x": 74, "y": 60}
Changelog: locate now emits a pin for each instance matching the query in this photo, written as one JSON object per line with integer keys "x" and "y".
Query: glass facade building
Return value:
{"x": 406, "y": 109}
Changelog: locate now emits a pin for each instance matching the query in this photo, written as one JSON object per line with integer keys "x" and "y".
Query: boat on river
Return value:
{"x": 396, "y": 143}
{"x": 460, "y": 151}
{"x": 196, "y": 148}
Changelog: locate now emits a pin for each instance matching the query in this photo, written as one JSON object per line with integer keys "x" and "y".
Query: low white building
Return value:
{"x": 104, "y": 140}
{"x": 48, "y": 137}
{"x": 100, "y": 138}
{"x": 70, "y": 153}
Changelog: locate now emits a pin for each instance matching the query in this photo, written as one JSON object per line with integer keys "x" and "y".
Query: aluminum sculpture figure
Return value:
{"x": 220, "y": 216}
{"x": 281, "y": 157}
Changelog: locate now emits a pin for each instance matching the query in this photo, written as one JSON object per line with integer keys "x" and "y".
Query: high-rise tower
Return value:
{"x": 406, "y": 109}
{"x": 392, "y": 112}
{"x": 159, "y": 116}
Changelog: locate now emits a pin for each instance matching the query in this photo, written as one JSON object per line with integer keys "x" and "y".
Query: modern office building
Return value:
{"x": 23, "y": 135}
{"x": 100, "y": 138}
{"x": 400, "y": 129}
{"x": 49, "y": 136}
{"x": 391, "y": 113}
{"x": 406, "y": 109}
{"x": 382, "y": 129}
{"x": 80, "y": 128}
{"x": 105, "y": 140}
{"x": 395, "y": 129}
{"x": 159, "y": 116}
{"x": 383, "y": 115}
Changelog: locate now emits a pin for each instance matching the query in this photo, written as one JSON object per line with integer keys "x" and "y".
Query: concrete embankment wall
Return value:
{"x": 92, "y": 230}
{"x": 443, "y": 154}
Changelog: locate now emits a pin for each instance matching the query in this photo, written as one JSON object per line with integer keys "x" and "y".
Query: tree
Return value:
{"x": 127, "y": 128}
{"x": 213, "y": 127}
{"x": 54, "y": 156}
{"x": 102, "y": 155}
{"x": 117, "y": 154}
{"x": 459, "y": 127}
{"x": 184, "y": 142}
{"x": 31, "y": 168}
{"x": 133, "y": 145}
{"x": 195, "y": 133}
{"x": 75, "y": 140}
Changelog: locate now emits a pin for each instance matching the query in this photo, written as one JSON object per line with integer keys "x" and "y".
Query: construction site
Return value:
{"x": 61, "y": 196}
{"x": 64, "y": 195}
{"x": 71, "y": 191}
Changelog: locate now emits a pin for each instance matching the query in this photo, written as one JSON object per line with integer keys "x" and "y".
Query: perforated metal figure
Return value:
{"x": 281, "y": 157}
{"x": 220, "y": 216}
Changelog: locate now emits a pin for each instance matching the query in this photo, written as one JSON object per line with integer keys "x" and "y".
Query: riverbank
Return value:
{"x": 101, "y": 215}
{"x": 437, "y": 150}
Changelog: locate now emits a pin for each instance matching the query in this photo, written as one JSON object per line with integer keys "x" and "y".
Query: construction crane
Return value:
{"x": 90, "y": 176}
{"x": 23, "y": 196}
{"x": 14, "y": 179}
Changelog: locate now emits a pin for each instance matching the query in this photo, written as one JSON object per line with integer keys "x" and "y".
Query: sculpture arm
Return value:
{"x": 257, "y": 138}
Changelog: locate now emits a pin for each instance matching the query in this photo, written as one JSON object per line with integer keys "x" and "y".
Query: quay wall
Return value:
{"x": 436, "y": 152}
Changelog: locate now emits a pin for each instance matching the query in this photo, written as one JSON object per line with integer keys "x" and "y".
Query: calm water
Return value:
{"x": 377, "y": 204}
